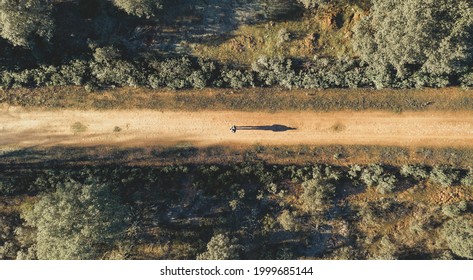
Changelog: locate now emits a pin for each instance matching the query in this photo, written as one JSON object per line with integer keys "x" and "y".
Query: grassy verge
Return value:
{"x": 251, "y": 99}
{"x": 183, "y": 154}
{"x": 326, "y": 33}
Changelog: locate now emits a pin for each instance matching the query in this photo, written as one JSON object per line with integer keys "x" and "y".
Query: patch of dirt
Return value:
{"x": 20, "y": 127}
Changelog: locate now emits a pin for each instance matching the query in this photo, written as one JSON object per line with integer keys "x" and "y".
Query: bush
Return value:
{"x": 141, "y": 8}
{"x": 387, "y": 184}
{"x": 109, "y": 69}
{"x": 221, "y": 247}
{"x": 316, "y": 195}
{"x": 426, "y": 38}
{"x": 467, "y": 79}
{"x": 283, "y": 36}
{"x": 327, "y": 72}
{"x": 444, "y": 176}
{"x": 288, "y": 221}
{"x": 75, "y": 219}
{"x": 181, "y": 73}
{"x": 459, "y": 236}
{"x": 455, "y": 210}
{"x": 415, "y": 171}
{"x": 23, "y": 22}
{"x": 467, "y": 181}
{"x": 276, "y": 71}
{"x": 238, "y": 79}
{"x": 310, "y": 4}
{"x": 372, "y": 174}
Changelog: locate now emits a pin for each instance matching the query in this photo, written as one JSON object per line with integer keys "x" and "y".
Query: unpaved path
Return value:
{"x": 138, "y": 128}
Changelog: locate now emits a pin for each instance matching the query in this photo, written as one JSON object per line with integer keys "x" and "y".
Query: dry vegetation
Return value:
{"x": 249, "y": 99}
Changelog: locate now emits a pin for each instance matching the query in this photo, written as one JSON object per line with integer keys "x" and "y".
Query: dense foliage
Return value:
{"x": 429, "y": 41}
{"x": 246, "y": 211}
{"x": 76, "y": 221}
{"x": 22, "y": 22}
{"x": 418, "y": 44}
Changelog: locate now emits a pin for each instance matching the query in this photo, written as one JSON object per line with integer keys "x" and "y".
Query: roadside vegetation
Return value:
{"x": 249, "y": 210}
{"x": 260, "y": 202}
{"x": 253, "y": 99}
{"x": 262, "y": 43}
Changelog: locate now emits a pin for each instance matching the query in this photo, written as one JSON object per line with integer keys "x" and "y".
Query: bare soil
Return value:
{"x": 20, "y": 127}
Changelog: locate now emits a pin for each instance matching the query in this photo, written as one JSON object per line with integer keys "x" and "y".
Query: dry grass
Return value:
{"x": 249, "y": 99}
{"x": 326, "y": 33}
{"x": 187, "y": 154}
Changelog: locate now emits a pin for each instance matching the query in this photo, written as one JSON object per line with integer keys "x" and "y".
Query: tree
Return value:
{"x": 459, "y": 236}
{"x": 220, "y": 247}
{"x": 401, "y": 37}
{"x": 310, "y": 4}
{"x": 21, "y": 22}
{"x": 76, "y": 221}
{"x": 317, "y": 194}
{"x": 141, "y": 8}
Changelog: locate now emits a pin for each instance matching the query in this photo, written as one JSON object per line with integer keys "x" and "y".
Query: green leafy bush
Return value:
{"x": 141, "y": 8}
{"x": 455, "y": 209}
{"x": 415, "y": 171}
{"x": 459, "y": 236}
{"x": 275, "y": 71}
{"x": 76, "y": 221}
{"x": 444, "y": 176}
{"x": 399, "y": 38}
{"x": 221, "y": 247}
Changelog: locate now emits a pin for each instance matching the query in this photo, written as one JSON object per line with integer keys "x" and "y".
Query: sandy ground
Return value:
{"x": 36, "y": 128}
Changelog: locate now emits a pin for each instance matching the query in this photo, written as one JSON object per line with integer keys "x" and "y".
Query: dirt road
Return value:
{"x": 32, "y": 128}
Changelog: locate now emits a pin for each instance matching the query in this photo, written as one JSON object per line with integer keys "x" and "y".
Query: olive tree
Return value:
{"x": 141, "y": 8}
{"x": 459, "y": 236}
{"x": 401, "y": 37}
{"x": 77, "y": 221}
{"x": 220, "y": 247}
{"x": 21, "y": 22}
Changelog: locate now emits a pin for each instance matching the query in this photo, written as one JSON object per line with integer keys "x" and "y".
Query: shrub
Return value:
{"x": 288, "y": 221}
{"x": 181, "y": 73}
{"x": 141, "y": 8}
{"x": 459, "y": 236}
{"x": 75, "y": 219}
{"x": 22, "y": 22}
{"x": 75, "y": 73}
{"x": 283, "y": 36}
{"x": 238, "y": 79}
{"x": 221, "y": 247}
{"x": 109, "y": 69}
{"x": 372, "y": 174}
{"x": 444, "y": 176}
{"x": 275, "y": 71}
{"x": 354, "y": 171}
{"x": 415, "y": 171}
{"x": 316, "y": 195}
{"x": 467, "y": 79}
{"x": 467, "y": 181}
{"x": 455, "y": 210}
{"x": 310, "y": 4}
{"x": 387, "y": 184}
{"x": 399, "y": 38}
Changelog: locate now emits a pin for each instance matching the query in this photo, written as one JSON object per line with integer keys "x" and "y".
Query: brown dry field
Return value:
{"x": 20, "y": 127}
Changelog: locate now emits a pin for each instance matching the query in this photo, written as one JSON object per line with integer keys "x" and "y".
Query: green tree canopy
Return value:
{"x": 76, "y": 221}
{"x": 220, "y": 247}
{"x": 459, "y": 236}
{"x": 21, "y": 21}
{"x": 404, "y": 36}
{"x": 141, "y": 8}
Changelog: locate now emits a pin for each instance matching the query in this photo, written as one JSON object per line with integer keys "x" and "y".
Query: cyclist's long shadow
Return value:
{"x": 274, "y": 128}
